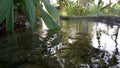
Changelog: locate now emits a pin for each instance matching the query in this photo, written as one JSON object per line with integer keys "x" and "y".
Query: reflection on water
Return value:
{"x": 108, "y": 38}
{"x": 28, "y": 50}
{"x": 79, "y": 44}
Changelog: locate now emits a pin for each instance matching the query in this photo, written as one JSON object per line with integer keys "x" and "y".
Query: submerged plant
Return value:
{"x": 50, "y": 15}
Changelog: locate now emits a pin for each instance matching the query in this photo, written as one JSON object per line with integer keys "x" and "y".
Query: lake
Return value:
{"x": 79, "y": 44}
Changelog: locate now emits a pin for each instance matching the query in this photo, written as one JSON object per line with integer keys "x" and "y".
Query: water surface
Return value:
{"x": 79, "y": 44}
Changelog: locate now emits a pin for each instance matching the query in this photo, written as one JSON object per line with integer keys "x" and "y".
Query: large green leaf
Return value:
{"x": 4, "y": 8}
{"x": 99, "y": 3}
{"x": 30, "y": 11}
{"x": 48, "y": 20}
{"x": 10, "y": 19}
{"x": 51, "y": 10}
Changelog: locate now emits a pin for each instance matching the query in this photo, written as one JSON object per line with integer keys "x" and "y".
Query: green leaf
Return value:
{"x": 10, "y": 19}
{"x": 92, "y": 1}
{"x": 48, "y": 20}
{"x": 99, "y": 3}
{"x": 51, "y": 10}
{"x": 30, "y": 11}
{"x": 4, "y": 8}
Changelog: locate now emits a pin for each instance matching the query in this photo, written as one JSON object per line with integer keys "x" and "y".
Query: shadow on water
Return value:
{"x": 29, "y": 50}
{"x": 79, "y": 44}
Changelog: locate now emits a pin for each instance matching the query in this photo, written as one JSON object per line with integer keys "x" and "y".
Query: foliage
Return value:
{"x": 96, "y": 8}
{"x": 101, "y": 9}
{"x": 88, "y": 7}
{"x": 112, "y": 9}
{"x": 116, "y": 9}
{"x": 73, "y": 9}
{"x": 29, "y": 7}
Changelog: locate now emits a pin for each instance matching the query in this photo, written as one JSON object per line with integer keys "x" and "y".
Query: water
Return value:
{"x": 79, "y": 44}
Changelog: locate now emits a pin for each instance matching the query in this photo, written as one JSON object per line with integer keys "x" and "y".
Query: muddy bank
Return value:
{"x": 115, "y": 20}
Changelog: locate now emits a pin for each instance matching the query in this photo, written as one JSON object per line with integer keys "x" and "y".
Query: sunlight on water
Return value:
{"x": 100, "y": 41}
{"x": 107, "y": 38}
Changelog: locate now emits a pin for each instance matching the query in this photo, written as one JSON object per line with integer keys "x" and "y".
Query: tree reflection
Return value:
{"x": 112, "y": 31}
{"x": 72, "y": 47}
{"x": 27, "y": 50}
{"x": 79, "y": 51}
{"x": 113, "y": 61}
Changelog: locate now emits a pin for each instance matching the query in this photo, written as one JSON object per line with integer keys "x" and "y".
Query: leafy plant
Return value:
{"x": 99, "y": 7}
{"x": 116, "y": 9}
{"x": 50, "y": 15}
{"x": 73, "y": 9}
{"x": 96, "y": 8}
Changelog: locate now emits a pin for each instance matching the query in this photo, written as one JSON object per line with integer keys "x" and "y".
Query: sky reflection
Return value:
{"x": 107, "y": 38}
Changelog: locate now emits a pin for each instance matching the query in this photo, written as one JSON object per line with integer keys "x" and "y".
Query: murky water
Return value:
{"x": 79, "y": 44}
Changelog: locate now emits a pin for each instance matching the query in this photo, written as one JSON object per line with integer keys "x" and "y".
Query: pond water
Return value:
{"x": 79, "y": 44}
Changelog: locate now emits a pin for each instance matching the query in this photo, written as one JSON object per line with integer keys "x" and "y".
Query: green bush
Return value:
{"x": 72, "y": 9}
{"x": 116, "y": 9}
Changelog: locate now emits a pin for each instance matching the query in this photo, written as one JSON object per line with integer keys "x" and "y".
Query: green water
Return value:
{"x": 79, "y": 44}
